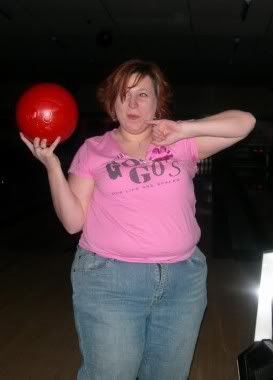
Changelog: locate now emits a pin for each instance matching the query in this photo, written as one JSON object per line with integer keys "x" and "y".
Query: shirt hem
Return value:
{"x": 138, "y": 260}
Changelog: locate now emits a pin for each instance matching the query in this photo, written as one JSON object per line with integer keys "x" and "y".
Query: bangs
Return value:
{"x": 124, "y": 83}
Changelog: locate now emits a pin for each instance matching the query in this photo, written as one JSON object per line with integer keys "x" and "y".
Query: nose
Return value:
{"x": 132, "y": 102}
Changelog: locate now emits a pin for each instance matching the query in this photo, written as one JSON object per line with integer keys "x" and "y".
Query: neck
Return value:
{"x": 135, "y": 146}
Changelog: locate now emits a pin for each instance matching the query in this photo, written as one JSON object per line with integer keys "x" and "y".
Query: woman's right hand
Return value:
{"x": 45, "y": 154}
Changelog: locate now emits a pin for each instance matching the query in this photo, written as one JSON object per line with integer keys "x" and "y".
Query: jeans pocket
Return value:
{"x": 86, "y": 261}
{"x": 198, "y": 258}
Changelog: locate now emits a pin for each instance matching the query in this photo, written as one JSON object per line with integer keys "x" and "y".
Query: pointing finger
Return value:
{"x": 27, "y": 142}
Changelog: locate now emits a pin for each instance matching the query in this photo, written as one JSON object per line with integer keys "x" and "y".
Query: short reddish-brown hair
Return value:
{"x": 116, "y": 85}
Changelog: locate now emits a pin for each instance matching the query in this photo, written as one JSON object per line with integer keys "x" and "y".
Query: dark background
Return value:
{"x": 217, "y": 54}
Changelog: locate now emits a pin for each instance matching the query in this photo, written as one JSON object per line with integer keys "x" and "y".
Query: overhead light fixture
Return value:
{"x": 236, "y": 43}
{"x": 104, "y": 38}
{"x": 245, "y": 8}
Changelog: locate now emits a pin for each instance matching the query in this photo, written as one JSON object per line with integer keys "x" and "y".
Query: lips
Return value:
{"x": 133, "y": 117}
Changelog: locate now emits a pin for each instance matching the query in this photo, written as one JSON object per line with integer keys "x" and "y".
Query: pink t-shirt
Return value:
{"x": 140, "y": 211}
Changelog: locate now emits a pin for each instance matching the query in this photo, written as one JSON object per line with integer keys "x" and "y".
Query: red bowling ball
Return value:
{"x": 47, "y": 110}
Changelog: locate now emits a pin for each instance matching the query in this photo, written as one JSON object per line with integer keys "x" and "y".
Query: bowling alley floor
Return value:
{"x": 37, "y": 336}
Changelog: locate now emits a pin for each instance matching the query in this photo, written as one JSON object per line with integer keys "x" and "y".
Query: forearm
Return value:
{"x": 227, "y": 124}
{"x": 67, "y": 206}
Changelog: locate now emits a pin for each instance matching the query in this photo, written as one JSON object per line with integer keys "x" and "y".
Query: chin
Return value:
{"x": 136, "y": 131}
{"x": 136, "y": 128}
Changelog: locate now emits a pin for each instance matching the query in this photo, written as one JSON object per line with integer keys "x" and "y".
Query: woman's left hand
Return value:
{"x": 166, "y": 132}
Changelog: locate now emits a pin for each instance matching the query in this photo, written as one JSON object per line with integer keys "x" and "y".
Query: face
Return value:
{"x": 138, "y": 107}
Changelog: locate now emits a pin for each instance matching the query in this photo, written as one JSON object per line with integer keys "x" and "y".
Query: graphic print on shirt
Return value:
{"x": 160, "y": 166}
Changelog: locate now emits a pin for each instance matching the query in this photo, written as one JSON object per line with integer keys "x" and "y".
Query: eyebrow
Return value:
{"x": 140, "y": 89}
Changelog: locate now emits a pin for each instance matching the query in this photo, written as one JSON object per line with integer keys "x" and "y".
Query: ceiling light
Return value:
{"x": 245, "y": 8}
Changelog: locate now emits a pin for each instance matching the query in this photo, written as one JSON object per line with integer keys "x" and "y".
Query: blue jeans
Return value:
{"x": 137, "y": 320}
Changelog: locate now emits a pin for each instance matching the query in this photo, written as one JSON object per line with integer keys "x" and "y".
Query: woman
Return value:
{"x": 139, "y": 279}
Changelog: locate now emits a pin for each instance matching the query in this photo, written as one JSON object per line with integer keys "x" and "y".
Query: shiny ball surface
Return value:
{"x": 47, "y": 110}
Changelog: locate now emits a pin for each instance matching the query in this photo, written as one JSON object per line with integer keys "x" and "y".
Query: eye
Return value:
{"x": 143, "y": 94}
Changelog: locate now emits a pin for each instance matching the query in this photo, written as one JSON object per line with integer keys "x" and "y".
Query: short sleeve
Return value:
{"x": 80, "y": 165}
{"x": 186, "y": 151}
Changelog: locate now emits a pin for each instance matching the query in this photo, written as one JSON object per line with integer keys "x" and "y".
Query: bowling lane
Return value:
{"x": 228, "y": 326}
